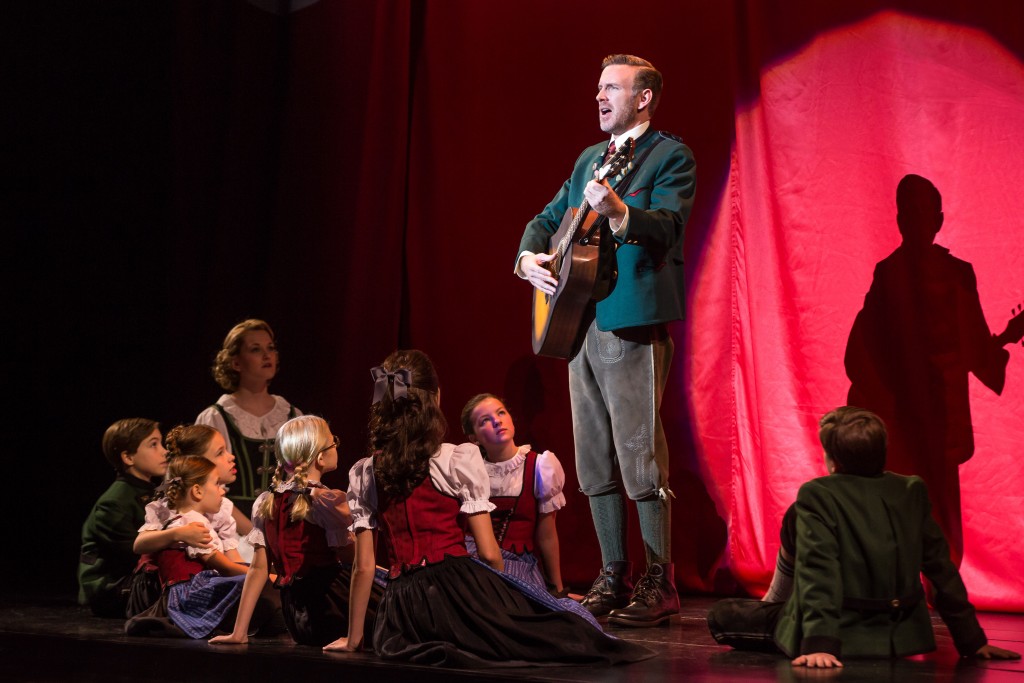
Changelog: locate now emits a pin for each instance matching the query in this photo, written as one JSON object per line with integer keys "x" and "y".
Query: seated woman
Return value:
{"x": 249, "y": 416}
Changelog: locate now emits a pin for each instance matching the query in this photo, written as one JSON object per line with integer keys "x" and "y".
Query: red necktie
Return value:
{"x": 611, "y": 151}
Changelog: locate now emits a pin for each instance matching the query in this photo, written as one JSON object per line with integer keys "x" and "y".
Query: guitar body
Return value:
{"x": 560, "y": 320}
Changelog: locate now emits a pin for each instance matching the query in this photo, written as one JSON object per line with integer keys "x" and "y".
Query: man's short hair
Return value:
{"x": 646, "y": 76}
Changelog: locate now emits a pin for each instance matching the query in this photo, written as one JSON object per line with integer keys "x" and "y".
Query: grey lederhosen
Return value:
{"x": 616, "y": 382}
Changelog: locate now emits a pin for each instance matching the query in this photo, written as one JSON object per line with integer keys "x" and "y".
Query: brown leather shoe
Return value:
{"x": 612, "y": 589}
{"x": 654, "y": 601}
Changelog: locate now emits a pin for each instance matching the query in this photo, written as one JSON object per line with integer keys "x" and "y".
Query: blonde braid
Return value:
{"x": 301, "y": 507}
{"x": 266, "y": 509}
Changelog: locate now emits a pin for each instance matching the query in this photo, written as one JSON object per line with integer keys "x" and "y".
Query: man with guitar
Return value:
{"x": 621, "y": 351}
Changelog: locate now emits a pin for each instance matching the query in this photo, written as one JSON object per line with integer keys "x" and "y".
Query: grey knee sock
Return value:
{"x": 782, "y": 580}
{"x": 609, "y": 513}
{"x": 656, "y": 528}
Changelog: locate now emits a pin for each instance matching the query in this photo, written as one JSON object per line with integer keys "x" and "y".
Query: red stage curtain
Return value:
{"x": 808, "y": 210}
{"x": 415, "y": 140}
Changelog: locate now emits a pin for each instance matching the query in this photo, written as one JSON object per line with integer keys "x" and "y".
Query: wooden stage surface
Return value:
{"x": 52, "y": 639}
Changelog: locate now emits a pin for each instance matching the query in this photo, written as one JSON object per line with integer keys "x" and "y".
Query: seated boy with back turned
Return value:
{"x": 859, "y": 539}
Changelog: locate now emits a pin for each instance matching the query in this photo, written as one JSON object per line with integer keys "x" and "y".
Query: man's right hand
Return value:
{"x": 533, "y": 269}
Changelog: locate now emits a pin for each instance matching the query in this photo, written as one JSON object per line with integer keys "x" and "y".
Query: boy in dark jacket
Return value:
{"x": 134, "y": 447}
{"x": 859, "y": 540}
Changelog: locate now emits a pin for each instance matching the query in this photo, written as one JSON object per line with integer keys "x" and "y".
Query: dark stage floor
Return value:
{"x": 51, "y": 639}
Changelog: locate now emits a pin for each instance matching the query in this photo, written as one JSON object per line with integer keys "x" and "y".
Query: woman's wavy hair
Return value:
{"x": 225, "y": 375}
{"x": 406, "y": 432}
{"x": 299, "y": 441}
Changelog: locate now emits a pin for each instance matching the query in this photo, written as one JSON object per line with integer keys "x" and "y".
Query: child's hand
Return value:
{"x": 230, "y": 640}
{"x": 993, "y": 652}
{"x": 821, "y": 660}
{"x": 196, "y": 535}
{"x": 342, "y": 645}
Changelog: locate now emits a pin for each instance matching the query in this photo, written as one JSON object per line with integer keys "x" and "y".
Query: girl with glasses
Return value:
{"x": 300, "y": 531}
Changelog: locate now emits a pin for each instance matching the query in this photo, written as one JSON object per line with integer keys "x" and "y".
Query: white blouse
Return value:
{"x": 222, "y": 523}
{"x": 323, "y": 512}
{"x": 456, "y": 471}
{"x": 194, "y": 516}
{"x": 548, "y": 481}
{"x": 251, "y": 426}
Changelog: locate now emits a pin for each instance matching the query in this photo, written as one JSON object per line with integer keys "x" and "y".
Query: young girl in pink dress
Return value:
{"x": 421, "y": 495}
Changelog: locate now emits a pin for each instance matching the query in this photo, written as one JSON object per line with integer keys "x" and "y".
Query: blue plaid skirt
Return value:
{"x": 523, "y": 572}
{"x": 198, "y": 606}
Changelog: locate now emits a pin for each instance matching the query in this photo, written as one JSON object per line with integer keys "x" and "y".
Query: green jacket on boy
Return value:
{"x": 107, "y": 558}
{"x": 862, "y": 543}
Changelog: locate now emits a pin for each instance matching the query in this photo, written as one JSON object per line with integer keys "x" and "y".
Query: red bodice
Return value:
{"x": 515, "y": 517}
{"x": 294, "y": 547}
{"x": 421, "y": 529}
{"x": 176, "y": 566}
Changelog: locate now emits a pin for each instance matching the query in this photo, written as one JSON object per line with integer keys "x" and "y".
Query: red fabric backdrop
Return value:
{"x": 408, "y": 143}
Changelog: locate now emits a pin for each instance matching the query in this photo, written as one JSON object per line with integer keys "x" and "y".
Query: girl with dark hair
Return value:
{"x": 422, "y": 496}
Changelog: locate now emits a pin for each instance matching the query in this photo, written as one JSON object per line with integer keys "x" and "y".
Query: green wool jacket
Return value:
{"x": 108, "y": 534}
{"x": 647, "y": 261}
{"x": 864, "y": 540}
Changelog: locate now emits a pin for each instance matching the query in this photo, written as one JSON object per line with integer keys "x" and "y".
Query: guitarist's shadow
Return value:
{"x": 920, "y": 333}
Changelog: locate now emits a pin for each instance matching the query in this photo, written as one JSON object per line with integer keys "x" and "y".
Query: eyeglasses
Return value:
{"x": 334, "y": 444}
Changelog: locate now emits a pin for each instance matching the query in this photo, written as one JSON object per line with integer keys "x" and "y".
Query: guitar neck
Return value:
{"x": 621, "y": 159}
{"x": 577, "y": 220}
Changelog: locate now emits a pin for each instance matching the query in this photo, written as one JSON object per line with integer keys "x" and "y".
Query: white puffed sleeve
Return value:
{"x": 468, "y": 478}
{"x": 157, "y": 514}
{"x": 333, "y": 521}
{"x": 192, "y": 517}
{"x": 549, "y": 482}
{"x": 224, "y": 524}
{"x": 256, "y": 537}
{"x": 362, "y": 495}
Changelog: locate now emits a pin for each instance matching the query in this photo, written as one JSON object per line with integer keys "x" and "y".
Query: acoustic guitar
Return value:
{"x": 558, "y": 319}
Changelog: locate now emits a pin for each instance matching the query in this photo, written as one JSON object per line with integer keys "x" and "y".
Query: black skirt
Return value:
{"x": 458, "y": 613}
{"x": 315, "y": 606}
